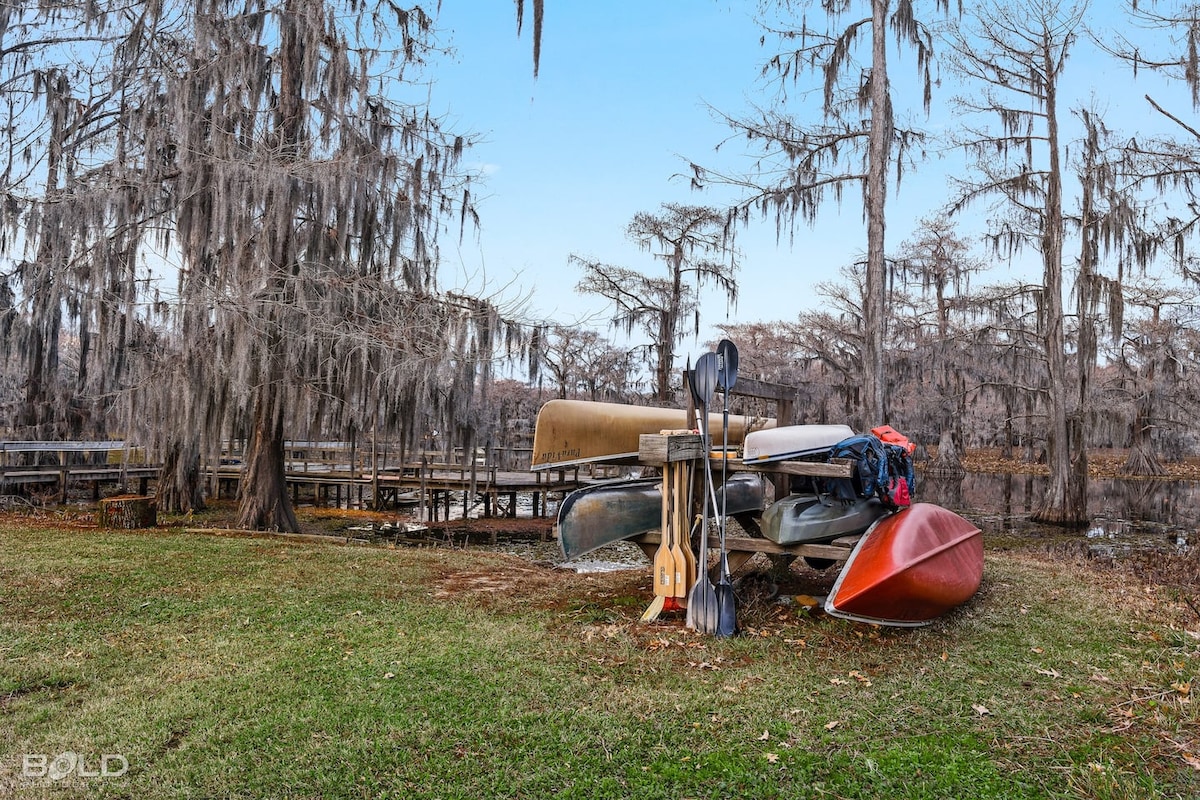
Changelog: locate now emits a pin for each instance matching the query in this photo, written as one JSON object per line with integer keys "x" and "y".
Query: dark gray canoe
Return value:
{"x": 595, "y": 516}
{"x": 801, "y": 518}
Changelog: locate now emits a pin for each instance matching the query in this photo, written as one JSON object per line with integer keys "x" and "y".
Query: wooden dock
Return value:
{"x": 433, "y": 488}
{"x": 56, "y": 465}
{"x": 322, "y": 473}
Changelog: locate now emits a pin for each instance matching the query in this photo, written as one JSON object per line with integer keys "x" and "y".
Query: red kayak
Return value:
{"x": 910, "y": 568}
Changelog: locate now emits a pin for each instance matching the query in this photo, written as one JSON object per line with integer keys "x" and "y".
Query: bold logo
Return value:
{"x": 40, "y": 765}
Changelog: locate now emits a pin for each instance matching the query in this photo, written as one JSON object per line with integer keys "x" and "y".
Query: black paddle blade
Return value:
{"x": 726, "y": 610}
{"x": 727, "y": 355}
{"x": 705, "y": 378}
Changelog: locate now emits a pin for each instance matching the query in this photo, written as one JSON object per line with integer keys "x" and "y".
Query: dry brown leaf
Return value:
{"x": 1052, "y": 673}
{"x": 831, "y": 725}
{"x": 772, "y": 758}
{"x": 765, "y": 735}
{"x": 981, "y": 710}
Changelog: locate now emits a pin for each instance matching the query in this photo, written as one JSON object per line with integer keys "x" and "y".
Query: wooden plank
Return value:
{"x": 749, "y": 387}
{"x": 58, "y": 447}
{"x": 838, "y": 550}
{"x": 656, "y": 449}
{"x": 839, "y": 468}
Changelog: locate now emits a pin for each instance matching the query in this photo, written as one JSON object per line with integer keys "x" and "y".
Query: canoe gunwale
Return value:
{"x": 616, "y": 459}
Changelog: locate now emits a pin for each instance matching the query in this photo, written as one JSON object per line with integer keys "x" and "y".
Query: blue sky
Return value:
{"x": 620, "y": 103}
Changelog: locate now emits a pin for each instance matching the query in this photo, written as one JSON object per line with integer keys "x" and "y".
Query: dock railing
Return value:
{"x": 26, "y": 463}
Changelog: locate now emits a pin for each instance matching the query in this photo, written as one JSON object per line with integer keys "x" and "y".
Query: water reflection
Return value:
{"x": 1125, "y": 514}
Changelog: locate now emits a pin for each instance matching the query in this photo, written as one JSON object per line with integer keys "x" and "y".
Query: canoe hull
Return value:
{"x": 572, "y": 432}
{"x": 801, "y": 518}
{"x": 595, "y": 516}
{"x": 792, "y": 441}
{"x": 910, "y": 568}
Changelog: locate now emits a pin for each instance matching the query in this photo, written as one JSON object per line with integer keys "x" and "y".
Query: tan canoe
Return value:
{"x": 571, "y": 432}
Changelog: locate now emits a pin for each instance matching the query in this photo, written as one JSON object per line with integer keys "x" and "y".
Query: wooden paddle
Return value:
{"x": 682, "y": 530}
{"x": 727, "y": 357}
{"x": 679, "y": 565}
{"x": 702, "y": 601}
{"x": 664, "y": 560}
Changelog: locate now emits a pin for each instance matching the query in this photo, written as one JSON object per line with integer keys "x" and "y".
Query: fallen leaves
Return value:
{"x": 858, "y": 676}
{"x": 980, "y": 709}
{"x": 862, "y": 679}
{"x": 662, "y": 642}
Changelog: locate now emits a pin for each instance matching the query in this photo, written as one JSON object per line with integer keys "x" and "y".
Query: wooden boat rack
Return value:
{"x": 659, "y": 449}
{"x": 656, "y": 449}
{"x": 742, "y": 548}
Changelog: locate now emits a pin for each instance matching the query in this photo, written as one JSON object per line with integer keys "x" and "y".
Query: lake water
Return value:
{"x": 1126, "y": 515}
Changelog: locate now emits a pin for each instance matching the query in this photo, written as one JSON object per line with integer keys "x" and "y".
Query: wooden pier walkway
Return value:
{"x": 322, "y": 473}
{"x": 435, "y": 489}
{"x": 27, "y": 464}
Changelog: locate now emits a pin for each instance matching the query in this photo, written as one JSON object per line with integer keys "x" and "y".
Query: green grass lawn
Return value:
{"x": 242, "y": 667}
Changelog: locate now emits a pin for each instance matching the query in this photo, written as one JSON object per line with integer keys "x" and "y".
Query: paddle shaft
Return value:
{"x": 702, "y": 602}
{"x": 726, "y": 599}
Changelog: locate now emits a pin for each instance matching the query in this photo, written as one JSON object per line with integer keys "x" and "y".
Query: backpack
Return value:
{"x": 902, "y": 477}
{"x": 870, "y": 462}
{"x": 883, "y": 470}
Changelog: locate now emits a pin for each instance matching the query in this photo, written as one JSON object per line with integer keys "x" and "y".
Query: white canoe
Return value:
{"x": 792, "y": 441}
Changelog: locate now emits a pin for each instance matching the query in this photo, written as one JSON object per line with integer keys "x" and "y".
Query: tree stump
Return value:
{"x": 128, "y": 511}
